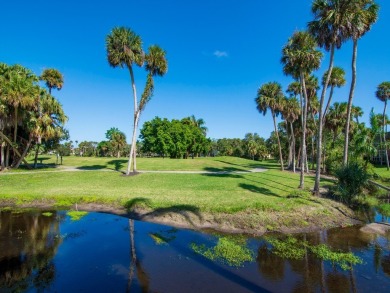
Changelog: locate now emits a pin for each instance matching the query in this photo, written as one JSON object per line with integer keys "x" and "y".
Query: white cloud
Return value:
{"x": 220, "y": 54}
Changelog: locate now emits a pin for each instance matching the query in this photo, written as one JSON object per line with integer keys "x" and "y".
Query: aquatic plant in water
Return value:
{"x": 293, "y": 248}
{"x": 229, "y": 251}
{"x": 76, "y": 215}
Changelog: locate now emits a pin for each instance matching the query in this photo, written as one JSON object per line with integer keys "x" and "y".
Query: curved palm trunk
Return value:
{"x": 384, "y": 135}
{"x": 133, "y": 142}
{"x": 303, "y": 157}
{"x": 321, "y": 123}
{"x": 350, "y": 98}
{"x": 277, "y": 136}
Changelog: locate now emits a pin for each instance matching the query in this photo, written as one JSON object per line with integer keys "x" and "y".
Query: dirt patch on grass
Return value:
{"x": 326, "y": 215}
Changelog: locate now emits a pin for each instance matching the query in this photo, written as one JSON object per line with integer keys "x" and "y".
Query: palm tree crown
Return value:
{"x": 124, "y": 48}
{"x": 53, "y": 79}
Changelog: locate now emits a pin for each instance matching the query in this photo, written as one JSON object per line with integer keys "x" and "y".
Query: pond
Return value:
{"x": 96, "y": 252}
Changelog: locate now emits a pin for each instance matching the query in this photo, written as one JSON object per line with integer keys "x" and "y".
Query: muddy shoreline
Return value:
{"x": 252, "y": 222}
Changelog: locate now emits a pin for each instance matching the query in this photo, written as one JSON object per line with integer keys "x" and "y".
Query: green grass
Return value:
{"x": 154, "y": 164}
{"x": 269, "y": 190}
{"x": 251, "y": 198}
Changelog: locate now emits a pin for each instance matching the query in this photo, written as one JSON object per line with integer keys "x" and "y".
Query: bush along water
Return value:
{"x": 352, "y": 182}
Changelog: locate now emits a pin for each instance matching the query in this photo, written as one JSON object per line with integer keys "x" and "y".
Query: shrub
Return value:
{"x": 352, "y": 180}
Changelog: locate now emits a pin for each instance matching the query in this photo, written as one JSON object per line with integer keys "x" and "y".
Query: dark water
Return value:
{"x": 108, "y": 253}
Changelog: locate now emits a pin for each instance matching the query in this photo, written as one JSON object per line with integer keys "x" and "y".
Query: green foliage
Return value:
{"x": 293, "y": 248}
{"x": 290, "y": 248}
{"x": 344, "y": 260}
{"x": 175, "y": 138}
{"x": 351, "y": 181}
{"x": 47, "y": 214}
{"x": 384, "y": 209}
{"x": 76, "y": 215}
{"x": 228, "y": 250}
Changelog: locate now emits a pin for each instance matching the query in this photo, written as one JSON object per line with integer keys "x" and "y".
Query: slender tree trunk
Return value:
{"x": 384, "y": 135}
{"x": 24, "y": 154}
{"x": 350, "y": 98}
{"x": 7, "y": 154}
{"x": 327, "y": 106}
{"x": 36, "y": 156}
{"x": 289, "y": 160}
{"x": 299, "y": 156}
{"x": 321, "y": 123}
{"x": 2, "y": 153}
{"x": 277, "y": 136}
{"x": 293, "y": 146}
{"x": 133, "y": 146}
{"x": 303, "y": 158}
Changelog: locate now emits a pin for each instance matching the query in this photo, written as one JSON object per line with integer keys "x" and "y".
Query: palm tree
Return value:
{"x": 52, "y": 78}
{"x": 300, "y": 57}
{"x": 156, "y": 65}
{"x": 270, "y": 96}
{"x": 337, "y": 79}
{"x": 124, "y": 49}
{"x": 383, "y": 94}
{"x": 291, "y": 113}
{"x": 328, "y": 28}
{"x": 360, "y": 16}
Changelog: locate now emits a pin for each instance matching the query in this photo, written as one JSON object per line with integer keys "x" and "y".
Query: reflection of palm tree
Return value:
{"x": 135, "y": 264}
{"x": 269, "y": 264}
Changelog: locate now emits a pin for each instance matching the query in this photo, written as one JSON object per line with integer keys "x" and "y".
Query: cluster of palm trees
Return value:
{"x": 29, "y": 114}
{"x": 335, "y": 22}
{"x": 124, "y": 49}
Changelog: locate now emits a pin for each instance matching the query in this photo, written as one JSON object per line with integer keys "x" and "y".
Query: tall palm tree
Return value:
{"x": 124, "y": 49}
{"x": 291, "y": 112}
{"x": 270, "y": 96}
{"x": 52, "y": 78}
{"x": 337, "y": 79}
{"x": 156, "y": 65}
{"x": 328, "y": 28}
{"x": 383, "y": 94}
{"x": 299, "y": 58}
{"x": 360, "y": 16}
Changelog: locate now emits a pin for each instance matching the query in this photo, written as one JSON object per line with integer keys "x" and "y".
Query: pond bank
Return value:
{"x": 250, "y": 221}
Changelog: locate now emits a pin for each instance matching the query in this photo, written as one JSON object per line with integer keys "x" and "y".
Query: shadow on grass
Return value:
{"x": 118, "y": 164}
{"x": 184, "y": 210}
{"x": 257, "y": 189}
{"x": 242, "y": 166}
{"x": 92, "y": 167}
{"x": 222, "y": 170}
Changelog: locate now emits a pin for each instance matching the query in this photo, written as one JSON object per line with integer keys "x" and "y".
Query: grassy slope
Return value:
{"x": 271, "y": 191}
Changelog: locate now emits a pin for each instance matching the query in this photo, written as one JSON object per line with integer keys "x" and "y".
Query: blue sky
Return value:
{"x": 219, "y": 53}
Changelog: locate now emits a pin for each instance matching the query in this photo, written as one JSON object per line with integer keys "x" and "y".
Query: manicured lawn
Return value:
{"x": 196, "y": 164}
{"x": 270, "y": 190}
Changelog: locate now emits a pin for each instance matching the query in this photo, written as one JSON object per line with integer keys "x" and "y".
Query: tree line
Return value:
{"x": 335, "y": 22}
{"x": 30, "y": 116}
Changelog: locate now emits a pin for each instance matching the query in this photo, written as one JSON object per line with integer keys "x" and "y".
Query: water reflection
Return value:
{"x": 103, "y": 252}
{"x": 28, "y": 244}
